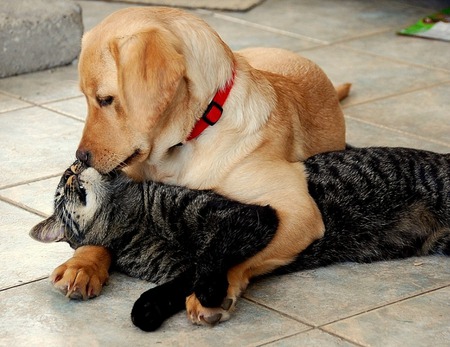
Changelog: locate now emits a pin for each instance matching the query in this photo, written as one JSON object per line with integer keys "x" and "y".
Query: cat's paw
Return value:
{"x": 201, "y": 315}
{"x": 147, "y": 314}
{"x": 159, "y": 303}
{"x": 79, "y": 279}
{"x": 211, "y": 290}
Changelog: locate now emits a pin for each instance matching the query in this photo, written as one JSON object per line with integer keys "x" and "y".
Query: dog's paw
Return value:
{"x": 79, "y": 279}
{"x": 201, "y": 315}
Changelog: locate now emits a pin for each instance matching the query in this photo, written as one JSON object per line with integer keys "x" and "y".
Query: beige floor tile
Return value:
{"x": 95, "y": 11}
{"x": 365, "y": 134}
{"x": 75, "y": 107}
{"x": 312, "y": 338}
{"x": 8, "y": 103}
{"x": 328, "y": 294}
{"x": 37, "y": 196}
{"x": 371, "y": 77}
{"x": 332, "y": 20}
{"x": 36, "y": 143}
{"x": 239, "y": 34}
{"x": 420, "y": 321}
{"x": 44, "y": 86}
{"x": 23, "y": 258}
{"x": 415, "y": 50}
{"x": 43, "y": 316}
{"x": 423, "y": 113}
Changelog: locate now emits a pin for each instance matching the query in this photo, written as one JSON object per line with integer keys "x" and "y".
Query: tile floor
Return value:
{"x": 400, "y": 97}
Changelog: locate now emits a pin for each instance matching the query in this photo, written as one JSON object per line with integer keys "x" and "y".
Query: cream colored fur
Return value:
{"x": 162, "y": 67}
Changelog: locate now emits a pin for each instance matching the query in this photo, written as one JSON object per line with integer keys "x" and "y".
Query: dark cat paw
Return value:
{"x": 147, "y": 314}
{"x": 211, "y": 290}
{"x": 159, "y": 303}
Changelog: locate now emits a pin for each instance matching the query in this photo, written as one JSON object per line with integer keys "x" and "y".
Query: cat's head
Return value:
{"x": 78, "y": 199}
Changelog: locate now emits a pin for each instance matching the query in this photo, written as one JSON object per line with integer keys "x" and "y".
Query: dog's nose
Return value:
{"x": 84, "y": 156}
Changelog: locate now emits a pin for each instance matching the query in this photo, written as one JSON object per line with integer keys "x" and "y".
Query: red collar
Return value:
{"x": 213, "y": 111}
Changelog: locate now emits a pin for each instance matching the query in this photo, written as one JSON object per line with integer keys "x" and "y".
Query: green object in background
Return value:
{"x": 435, "y": 26}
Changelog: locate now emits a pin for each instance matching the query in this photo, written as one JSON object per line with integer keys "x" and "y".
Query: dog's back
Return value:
{"x": 320, "y": 116}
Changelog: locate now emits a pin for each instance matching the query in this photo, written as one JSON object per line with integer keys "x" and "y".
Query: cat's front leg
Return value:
{"x": 161, "y": 302}
{"x": 84, "y": 275}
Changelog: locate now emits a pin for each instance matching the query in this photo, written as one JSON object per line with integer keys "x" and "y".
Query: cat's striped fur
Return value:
{"x": 159, "y": 233}
{"x": 377, "y": 204}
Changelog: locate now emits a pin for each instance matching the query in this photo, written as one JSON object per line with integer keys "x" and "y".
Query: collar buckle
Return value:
{"x": 212, "y": 113}
{"x": 214, "y": 110}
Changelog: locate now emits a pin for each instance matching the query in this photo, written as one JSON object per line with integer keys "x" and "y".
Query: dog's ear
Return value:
{"x": 149, "y": 67}
{"x": 49, "y": 230}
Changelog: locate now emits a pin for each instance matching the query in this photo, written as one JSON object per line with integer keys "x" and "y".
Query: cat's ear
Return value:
{"x": 49, "y": 230}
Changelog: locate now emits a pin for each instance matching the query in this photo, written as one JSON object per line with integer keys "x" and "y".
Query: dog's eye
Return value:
{"x": 105, "y": 101}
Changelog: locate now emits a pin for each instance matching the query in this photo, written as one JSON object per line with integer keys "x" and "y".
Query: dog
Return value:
{"x": 148, "y": 75}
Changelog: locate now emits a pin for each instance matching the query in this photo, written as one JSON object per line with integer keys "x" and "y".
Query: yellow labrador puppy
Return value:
{"x": 169, "y": 101}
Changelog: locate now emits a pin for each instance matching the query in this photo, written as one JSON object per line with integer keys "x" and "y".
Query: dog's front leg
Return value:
{"x": 83, "y": 275}
{"x": 283, "y": 186}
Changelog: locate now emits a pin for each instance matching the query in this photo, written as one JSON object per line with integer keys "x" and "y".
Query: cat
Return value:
{"x": 184, "y": 239}
{"x": 377, "y": 204}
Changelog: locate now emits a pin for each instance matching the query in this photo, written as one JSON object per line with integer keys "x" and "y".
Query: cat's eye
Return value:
{"x": 81, "y": 191}
{"x": 105, "y": 101}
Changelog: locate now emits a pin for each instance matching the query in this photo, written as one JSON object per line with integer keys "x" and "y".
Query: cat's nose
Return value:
{"x": 84, "y": 156}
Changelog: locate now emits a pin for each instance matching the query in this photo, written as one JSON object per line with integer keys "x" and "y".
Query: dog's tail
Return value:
{"x": 343, "y": 90}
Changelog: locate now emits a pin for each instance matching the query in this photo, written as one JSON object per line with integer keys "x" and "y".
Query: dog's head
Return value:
{"x": 142, "y": 73}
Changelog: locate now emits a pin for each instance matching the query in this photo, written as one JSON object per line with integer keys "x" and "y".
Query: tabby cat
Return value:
{"x": 377, "y": 204}
{"x": 184, "y": 238}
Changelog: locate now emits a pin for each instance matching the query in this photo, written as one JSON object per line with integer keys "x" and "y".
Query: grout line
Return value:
{"x": 396, "y": 60}
{"x": 16, "y": 109}
{"x": 31, "y": 181}
{"x": 343, "y": 44}
{"x": 62, "y": 99}
{"x": 306, "y": 331}
{"x": 311, "y": 327}
{"x": 284, "y": 314}
{"x": 23, "y": 207}
{"x": 323, "y": 327}
{"x": 390, "y": 303}
{"x": 35, "y": 103}
{"x": 284, "y": 337}
{"x": 263, "y": 27}
{"x": 400, "y": 93}
{"x": 23, "y": 284}
{"x": 348, "y": 339}
{"x": 323, "y": 43}
{"x": 362, "y": 36}
{"x": 46, "y": 105}
{"x": 15, "y": 96}
{"x": 384, "y": 127}
{"x": 62, "y": 113}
